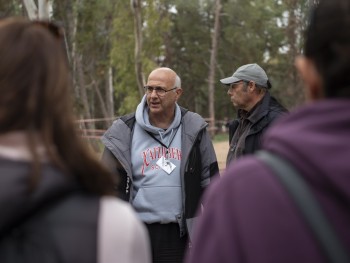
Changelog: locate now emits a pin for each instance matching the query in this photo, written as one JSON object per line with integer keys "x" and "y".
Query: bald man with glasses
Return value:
{"x": 163, "y": 158}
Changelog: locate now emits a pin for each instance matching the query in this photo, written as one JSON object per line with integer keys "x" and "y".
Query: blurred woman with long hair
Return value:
{"x": 56, "y": 201}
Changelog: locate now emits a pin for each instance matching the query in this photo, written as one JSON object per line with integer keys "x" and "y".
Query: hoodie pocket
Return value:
{"x": 160, "y": 202}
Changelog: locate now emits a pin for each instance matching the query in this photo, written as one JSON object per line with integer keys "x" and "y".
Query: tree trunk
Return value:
{"x": 31, "y": 8}
{"x": 136, "y": 9}
{"x": 73, "y": 32}
{"x": 88, "y": 125}
{"x": 102, "y": 103}
{"x": 44, "y": 9}
{"x": 82, "y": 87}
{"x": 295, "y": 89}
{"x": 212, "y": 67}
{"x": 110, "y": 94}
{"x": 43, "y": 12}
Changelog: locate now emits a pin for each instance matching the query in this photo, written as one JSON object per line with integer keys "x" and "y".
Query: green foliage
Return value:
{"x": 156, "y": 25}
{"x": 221, "y": 137}
{"x": 249, "y": 33}
{"x": 122, "y": 59}
{"x": 189, "y": 52}
{"x": 155, "y": 32}
{"x": 11, "y": 8}
{"x": 177, "y": 34}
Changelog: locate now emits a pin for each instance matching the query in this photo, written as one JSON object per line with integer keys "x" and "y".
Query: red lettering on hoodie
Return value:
{"x": 154, "y": 154}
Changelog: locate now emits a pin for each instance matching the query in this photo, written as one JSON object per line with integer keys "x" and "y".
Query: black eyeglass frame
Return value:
{"x": 159, "y": 90}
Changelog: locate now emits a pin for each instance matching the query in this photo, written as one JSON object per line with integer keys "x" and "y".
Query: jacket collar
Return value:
{"x": 258, "y": 111}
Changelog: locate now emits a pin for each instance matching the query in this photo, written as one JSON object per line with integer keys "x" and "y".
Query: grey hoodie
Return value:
{"x": 156, "y": 192}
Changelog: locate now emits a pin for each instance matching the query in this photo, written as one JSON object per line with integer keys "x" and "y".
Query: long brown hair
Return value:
{"x": 35, "y": 88}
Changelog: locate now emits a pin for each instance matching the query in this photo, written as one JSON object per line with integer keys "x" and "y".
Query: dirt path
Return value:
{"x": 221, "y": 149}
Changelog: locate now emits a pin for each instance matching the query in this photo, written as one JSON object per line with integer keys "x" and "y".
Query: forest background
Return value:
{"x": 112, "y": 46}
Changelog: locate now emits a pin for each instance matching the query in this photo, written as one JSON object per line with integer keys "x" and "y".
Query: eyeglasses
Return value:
{"x": 235, "y": 84}
{"x": 159, "y": 90}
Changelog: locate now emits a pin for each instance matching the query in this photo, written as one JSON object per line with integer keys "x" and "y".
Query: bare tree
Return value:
{"x": 31, "y": 8}
{"x": 294, "y": 89}
{"x": 110, "y": 94}
{"x": 43, "y": 12}
{"x": 212, "y": 67}
{"x": 44, "y": 9}
{"x": 136, "y": 9}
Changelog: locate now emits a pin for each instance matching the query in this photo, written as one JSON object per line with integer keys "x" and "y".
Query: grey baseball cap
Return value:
{"x": 249, "y": 72}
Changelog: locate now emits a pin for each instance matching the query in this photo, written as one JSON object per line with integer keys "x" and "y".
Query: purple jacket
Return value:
{"x": 249, "y": 217}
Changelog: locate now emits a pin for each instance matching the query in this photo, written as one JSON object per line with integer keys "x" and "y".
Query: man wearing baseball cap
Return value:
{"x": 248, "y": 89}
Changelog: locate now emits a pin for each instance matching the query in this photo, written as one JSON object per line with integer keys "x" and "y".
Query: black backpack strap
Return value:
{"x": 307, "y": 204}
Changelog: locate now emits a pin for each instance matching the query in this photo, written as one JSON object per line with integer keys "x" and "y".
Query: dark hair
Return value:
{"x": 35, "y": 88}
{"x": 260, "y": 88}
{"x": 328, "y": 45}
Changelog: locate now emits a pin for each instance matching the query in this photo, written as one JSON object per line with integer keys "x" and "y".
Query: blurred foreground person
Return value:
{"x": 54, "y": 201}
{"x": 254, "y": 218}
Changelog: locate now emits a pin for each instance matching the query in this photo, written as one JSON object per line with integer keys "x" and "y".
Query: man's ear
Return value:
{"x": 311, "y": 78}
{"x": 178, "y": 93}
{"x": 251, "y": 88}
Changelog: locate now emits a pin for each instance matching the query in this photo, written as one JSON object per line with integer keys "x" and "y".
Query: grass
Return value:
{"x": 220, "y": 137}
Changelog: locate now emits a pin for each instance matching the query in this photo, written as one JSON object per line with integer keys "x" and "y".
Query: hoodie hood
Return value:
{"x": 316, "y": 140}
{"x": 142, "y": 119}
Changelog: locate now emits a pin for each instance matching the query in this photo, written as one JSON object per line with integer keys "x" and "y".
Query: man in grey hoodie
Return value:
{"x": 163, "y": 158}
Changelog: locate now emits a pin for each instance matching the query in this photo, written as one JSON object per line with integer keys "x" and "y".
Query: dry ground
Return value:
{"x": 221, "y": 149}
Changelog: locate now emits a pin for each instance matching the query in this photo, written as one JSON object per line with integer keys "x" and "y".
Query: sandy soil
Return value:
{"x": 221, "y": 149}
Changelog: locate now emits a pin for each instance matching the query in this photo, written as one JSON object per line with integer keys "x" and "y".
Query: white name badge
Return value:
{"x": 166, "y": 165}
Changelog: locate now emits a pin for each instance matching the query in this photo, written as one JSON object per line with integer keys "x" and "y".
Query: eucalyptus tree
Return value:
{"x": 155, "y": 24}
{"x": 39, "y": 10}
{"x": 126, "y": 92}
{"x": 268, "y": 32}
{"x": 250, "y": 33}
{"x": 293, "y": 21}
{"x": 188, "y": 50}
{"x": 294, "y": 15}
{"x": 212, "y": 68}
{"x": 136, "y": 9}
{"x": 101, "y": 43}
{"x": 88, "y": 29}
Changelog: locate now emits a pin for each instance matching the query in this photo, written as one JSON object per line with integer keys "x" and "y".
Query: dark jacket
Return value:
{"x": 253, "y": 218}
{"x": 267, "y": 112}
{"x": 198, "y": 166}
{"x": 44, "y": 226}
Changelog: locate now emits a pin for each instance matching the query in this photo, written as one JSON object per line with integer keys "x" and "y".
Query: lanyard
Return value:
{"x": 167, "y": 147}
